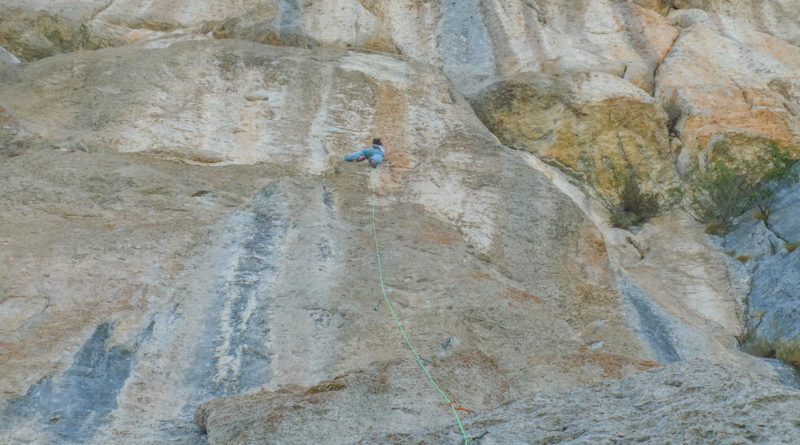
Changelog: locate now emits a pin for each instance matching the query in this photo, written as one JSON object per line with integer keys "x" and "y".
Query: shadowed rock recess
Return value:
{"x": 185, "y": 258}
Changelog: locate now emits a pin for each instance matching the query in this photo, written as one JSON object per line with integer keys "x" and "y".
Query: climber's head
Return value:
{"x": 376, "y": 141}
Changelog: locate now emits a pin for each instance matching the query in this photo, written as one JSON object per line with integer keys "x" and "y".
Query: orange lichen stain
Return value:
{"x": 479, "y": 275}
{"x": 612, "y": 364}
{"x": 219, "y": 33}
{"x": 273, "y": 39}
{"x": 520, "y": 295}
{"x": 135, "y": 36}
{"x": 326, "y": 386}
{"x": 272, "y": 420}
{"x": 379, "y": 384}
{"x": 4, "y": 117}
{"x": 9, "y": 351}
{"x": 434, "y": 234}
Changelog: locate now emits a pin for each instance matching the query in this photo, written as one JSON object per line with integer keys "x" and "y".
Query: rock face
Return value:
{"x": 780, "y": 18}
{"x": 186, "y": 258}
{"x": 772, "y": 268}
{"x": 730, "y": 67}
{"x": 35, "y": 29}
{"x": 647, "y": 408}
{"x": 736, "y": 86}
{"x": 281, "y": 291}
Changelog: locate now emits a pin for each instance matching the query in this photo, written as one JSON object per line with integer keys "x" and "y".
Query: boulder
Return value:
{"x": 36, "y": 29}
{"x": 594, "y": 125}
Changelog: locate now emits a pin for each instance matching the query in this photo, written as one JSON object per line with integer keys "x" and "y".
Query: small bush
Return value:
{"x": 635, "y": 205}
{"x": 624, "y": 219}
{"x": 716, "y": 228}
{"x": 743, "y": 258}
{"x": 675, "y": 195}
{"x": 726, "y": 190}
{"x": 789, "y": 353}
{"x": 760, "y": 347}
{"x": 790, "y": 247}
{"x": 786, "y": 351}
{"x": 672, "y": 108}
{"x": 730, "y": 253}
{"x": 759, "y": 215}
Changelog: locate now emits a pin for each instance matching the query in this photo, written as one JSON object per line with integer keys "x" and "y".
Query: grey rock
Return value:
{"x": 786, "y": 374}
{"x": 465, "y": 44}
{"x": 685, "y": 402}
{"x": 70, "y": 408}
{"x": 651, "y": 323}
{"x": 244, "y": 293}
{"x": 6, "y": 58}
{"x": 774, "y": 298}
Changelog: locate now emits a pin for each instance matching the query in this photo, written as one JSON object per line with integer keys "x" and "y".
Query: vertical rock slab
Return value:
{"x": 479, "y": 42}
{"x": 735, "y": 84}
{"x": 779, "y": 18}
{"x": 258, "y": 274}
{"x": 92, "y": 246}
{"x": 345, "y": 23}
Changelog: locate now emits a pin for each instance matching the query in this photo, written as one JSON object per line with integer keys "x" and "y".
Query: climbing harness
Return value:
{"x": 450, "y": 403}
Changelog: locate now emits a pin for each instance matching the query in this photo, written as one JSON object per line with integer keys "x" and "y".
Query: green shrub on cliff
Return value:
{"x": 726, "y": 189}
{"x": 672, "y": 108}
{"x": 789, "y": 353}
{"x": 786, "y": 351}
{"x": 634, "y": 205}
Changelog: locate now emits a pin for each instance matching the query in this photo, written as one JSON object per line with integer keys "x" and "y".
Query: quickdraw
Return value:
{"x": 454, "y": 406}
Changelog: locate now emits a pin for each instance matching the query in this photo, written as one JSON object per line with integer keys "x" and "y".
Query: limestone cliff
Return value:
{"x": 186, "y": 258}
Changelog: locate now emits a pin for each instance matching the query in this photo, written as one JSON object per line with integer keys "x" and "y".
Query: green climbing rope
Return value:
{"x": 402, "y": 331}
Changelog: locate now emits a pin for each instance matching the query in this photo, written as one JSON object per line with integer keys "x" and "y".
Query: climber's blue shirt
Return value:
{"x": 374, "y": 153}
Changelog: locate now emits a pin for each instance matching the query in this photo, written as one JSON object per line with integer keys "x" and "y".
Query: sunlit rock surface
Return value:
{"x": 215, "y": 281}
{"x": 185, "y": 257}
{"x": 737, "y": 87}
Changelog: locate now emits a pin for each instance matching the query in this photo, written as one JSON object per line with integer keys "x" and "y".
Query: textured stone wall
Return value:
{"x": 186, "y": 258}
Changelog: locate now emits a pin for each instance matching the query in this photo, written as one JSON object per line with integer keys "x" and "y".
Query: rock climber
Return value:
{"x": 374, "y": 154}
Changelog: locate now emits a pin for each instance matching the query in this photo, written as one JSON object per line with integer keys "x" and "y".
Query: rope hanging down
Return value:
{"x": 450, "y": 403}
